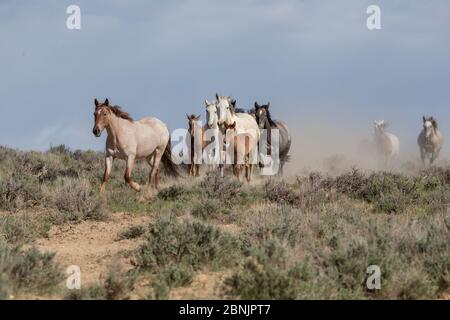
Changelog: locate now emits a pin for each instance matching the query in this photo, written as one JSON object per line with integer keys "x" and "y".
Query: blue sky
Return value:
{"x": 315, "y": 61}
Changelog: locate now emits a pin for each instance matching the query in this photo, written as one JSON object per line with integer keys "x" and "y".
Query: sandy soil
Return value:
{"x": 93, "y": 245}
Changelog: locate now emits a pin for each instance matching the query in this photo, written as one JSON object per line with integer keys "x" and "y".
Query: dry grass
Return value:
{"x": 304, "y": 237}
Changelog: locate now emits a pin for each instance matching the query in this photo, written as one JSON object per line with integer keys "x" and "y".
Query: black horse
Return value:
{"x": 264, "y": 120}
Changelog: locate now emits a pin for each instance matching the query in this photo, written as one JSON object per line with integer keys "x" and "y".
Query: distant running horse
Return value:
{"x": 430, "y": 140}
{"x": 387, "y": 144}
{"x": 129, "y": 140}
{"x": 195, "y": 143}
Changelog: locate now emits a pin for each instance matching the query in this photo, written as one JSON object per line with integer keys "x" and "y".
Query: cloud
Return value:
{"x": 163, "y": 58}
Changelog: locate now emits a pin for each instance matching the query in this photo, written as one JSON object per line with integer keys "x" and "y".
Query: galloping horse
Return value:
{"x": 430, "y": 140}
{"x": 245, "y": 123}
{"x": 129, "y": 140}
{"x": 214, "y": 149}
{"x": 264, "y": 120}
{"x": 387, "y": 144}
{"x": 242, "y": 145}
{"x": 195, "y": 142}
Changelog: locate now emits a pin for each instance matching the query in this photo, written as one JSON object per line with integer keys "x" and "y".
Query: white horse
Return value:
{"x": 387, "y": 144}
{"x": 212, "y": 133}
{"x": 245, "y": 123}
{"x": 430, "y": 140}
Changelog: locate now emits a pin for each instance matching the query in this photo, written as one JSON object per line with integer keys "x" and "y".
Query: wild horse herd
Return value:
{"x": 230, "y": 136}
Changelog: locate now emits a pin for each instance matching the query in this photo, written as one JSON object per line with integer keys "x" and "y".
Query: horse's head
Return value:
{"x": 102, "y": 116}
{"x": 429, "y": 125}
{"x": 262, "y": 115}
{"x": 192, "y": 119}
{"x": 211, "y": 113}
{"x": 380, "y": 127}
{"x": 225, "y": 109}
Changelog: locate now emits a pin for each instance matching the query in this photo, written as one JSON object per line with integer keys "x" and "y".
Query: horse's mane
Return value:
{"x": 239, "y": 110}
{"x": 433, "y": 121}
{"x": 117, "y": 110}
{"x": 269, "y": 118}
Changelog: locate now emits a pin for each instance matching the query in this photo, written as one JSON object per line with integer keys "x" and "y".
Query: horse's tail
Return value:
{"x": 170, "y": 167}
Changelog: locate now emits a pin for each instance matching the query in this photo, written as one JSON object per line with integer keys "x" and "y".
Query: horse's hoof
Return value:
{"x": 141, "y": 200}
{"x": 144, "y": 199}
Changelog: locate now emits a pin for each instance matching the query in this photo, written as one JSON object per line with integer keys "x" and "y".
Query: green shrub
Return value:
{"x": 132, "y": 232}
{"x": 19, "y": 191}
{"x": 266, "y": 275}
{"x": 171, "y": 277}
{"x": 116, "y": 286}
{"x": 172, "y": 193}
{"x": 282, "y": 223}
{"x": 76, "y": 200}
{"x": 213, "y": 209}
{"x": 190, "y": 243}
{"x": 225, "y": 189}
{"x": 28, "y": 269}
{"x": 21, "y": 228}
{"x": 280, "y": 192}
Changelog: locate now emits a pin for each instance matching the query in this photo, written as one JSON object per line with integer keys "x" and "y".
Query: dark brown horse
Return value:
{"x": 264, "y": 120}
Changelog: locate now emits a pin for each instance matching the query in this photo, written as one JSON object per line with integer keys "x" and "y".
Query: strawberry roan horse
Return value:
{"x": 130, "y": 140}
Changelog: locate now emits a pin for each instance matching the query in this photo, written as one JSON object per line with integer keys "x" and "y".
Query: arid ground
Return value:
{"x": 308, "y": 235}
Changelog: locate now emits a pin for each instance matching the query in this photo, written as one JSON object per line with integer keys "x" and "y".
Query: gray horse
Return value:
{"x": 264, "y": 120}
{"x": 430, "y": 140}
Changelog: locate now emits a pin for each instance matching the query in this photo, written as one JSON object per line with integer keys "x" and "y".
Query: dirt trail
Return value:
{"x": 93, "y": 245}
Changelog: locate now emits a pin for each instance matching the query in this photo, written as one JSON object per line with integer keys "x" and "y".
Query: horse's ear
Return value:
{"x": 217, "y": 96}
{"x": 256, "y": 105}
{"x": 96, "y": 103}
{"x": 424, "y": 119}
{"x": 207, "y": 102}
{"x": 233, "y": 125}
{"x": 233, "y": 103}
{"x": 268, "y": 105}
{"x": 187, "y": 116}
{"x": 197, "y": 118}
{"x": 106, "y": 103}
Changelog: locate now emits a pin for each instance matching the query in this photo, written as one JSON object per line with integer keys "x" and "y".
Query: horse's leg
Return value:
{"x": 422, "y": 155}
{"x": 130, "y": 163}
{"x": 158, "y": 153}
{"x": 248, "y": 172}
{"x": 280, "y": 168}
{"x": 108, "y": 166}
{"x": 434, "y": 156}
{"x": 197, "y": 168}
{"x": 151, "y": 162}
{"x": 236, "y": 170}
{"x": 157, "y": 179}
